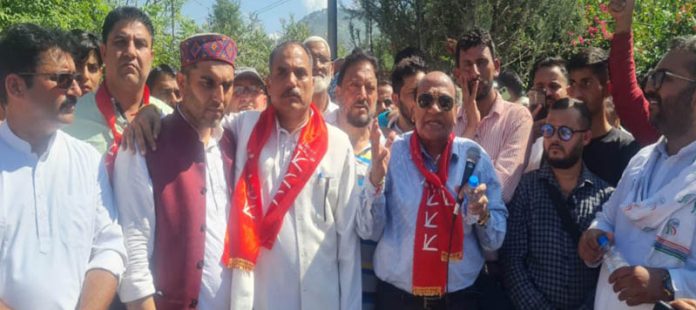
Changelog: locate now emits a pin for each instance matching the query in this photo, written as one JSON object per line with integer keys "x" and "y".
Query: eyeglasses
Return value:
{"x": 387, "y": 102}
{"x": 445, "y": 102}
{"x": 657, "y": 77}
{"x": 564, "y": 133}
{"x": 63, "y": 79}
{"x": 247, "y": 90}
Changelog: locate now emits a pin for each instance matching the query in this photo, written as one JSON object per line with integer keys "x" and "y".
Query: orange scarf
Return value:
{"x": 248, "y": 228}
{"x": 434, "y": 224}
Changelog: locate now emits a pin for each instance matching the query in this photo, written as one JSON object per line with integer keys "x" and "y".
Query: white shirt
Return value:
{"x": 633, "y": 243}
{"x": 134, "y": 198}
{"x": 57, "y": 221}
{"x": 315, "y": 261}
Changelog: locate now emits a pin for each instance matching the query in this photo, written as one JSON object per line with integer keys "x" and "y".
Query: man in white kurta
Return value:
{"x": 315, "y": 260}
{"x": 60, "y": 245}
{"x": 651, "y": 217}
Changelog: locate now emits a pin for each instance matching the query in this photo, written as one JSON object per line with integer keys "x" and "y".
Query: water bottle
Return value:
{"x": 612, "y": 257}
{"x": 473, "y": 184}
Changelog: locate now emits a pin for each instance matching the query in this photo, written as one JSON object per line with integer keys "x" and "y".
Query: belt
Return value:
{"x": 428, "y": 302}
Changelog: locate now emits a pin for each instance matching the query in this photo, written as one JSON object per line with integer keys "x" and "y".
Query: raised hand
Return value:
{"x": 469, "y": 93}
{"x": 380, "y": 154}
{"x": 622, "y": 12}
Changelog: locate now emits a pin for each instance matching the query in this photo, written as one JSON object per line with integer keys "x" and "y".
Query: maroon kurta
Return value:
{"x": 177, "y": 169}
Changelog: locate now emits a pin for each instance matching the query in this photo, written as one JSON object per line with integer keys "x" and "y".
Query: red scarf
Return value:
{"x": 432, "y": 239}
{"x": 248, "y": 228}
{"x": 106, "y": 107}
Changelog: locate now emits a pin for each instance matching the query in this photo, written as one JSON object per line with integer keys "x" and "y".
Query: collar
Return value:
{"x": 454, "y": 157}
{"x": 586, "y": 177}
{"x": 661, "y": 146}
{"x": 280, "y": 130}
{"x": 20, "y": 145}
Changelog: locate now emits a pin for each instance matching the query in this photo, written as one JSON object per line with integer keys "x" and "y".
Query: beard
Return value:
{"x": 321, "y": 83}
{"x": 358, "y": 119}
{"x": 484, "y": 89}
{"x": 674, "y": 114}
{"x": 567, "y": 161}
{"x": 404, "y": 113}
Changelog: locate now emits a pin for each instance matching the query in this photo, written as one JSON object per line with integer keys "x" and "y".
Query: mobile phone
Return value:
{"x": 661, "y": 305}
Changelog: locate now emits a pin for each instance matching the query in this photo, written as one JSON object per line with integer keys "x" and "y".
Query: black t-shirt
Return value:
{"x": 607, "y": 156}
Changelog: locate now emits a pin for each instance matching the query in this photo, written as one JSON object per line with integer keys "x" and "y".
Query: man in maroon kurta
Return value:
{"x": 174, "y": 201}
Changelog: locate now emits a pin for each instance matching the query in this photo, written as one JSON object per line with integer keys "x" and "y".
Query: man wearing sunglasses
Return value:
{"x": 550, "y": 209}
{"x": 249, "y": 91}
{"x": 100, "y": 118}
{"x": 650, "y": 218}
{"x": 426, "y": 256}
{"x": 61, "y": 245}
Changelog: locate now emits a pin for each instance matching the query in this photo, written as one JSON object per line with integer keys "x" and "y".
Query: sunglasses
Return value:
{"x": 657, "y": 76}
{"x": 564, "y": 133}
{"x": 387, "y": 102}
{"x": 63, "y": 79}
{"x": 445, "y": 102}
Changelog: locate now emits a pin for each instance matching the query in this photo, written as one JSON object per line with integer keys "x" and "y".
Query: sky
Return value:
{"x": 270, "y": 12}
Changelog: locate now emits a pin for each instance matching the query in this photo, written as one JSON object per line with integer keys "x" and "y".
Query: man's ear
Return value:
{"x": 496, "y": 64}
{"x": 181, "y": 82}
{"x": 586, "y": 137}
{"x": 15, "y": 86}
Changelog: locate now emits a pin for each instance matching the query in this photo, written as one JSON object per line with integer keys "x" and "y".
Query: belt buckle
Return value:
{"x": 430, "y": 301}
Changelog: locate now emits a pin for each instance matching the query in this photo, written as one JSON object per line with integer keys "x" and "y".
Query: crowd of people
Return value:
{"x": 325, "y": 185}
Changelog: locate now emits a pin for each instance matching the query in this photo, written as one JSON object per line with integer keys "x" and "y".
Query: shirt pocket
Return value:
{"x": 76, "y": 221}
{"x": 325, "y": 187}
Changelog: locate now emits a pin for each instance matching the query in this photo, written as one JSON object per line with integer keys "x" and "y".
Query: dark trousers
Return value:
{"x": 390, "y": 297}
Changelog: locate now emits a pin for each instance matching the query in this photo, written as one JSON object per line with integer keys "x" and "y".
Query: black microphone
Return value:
{"x": 473, "y": 154}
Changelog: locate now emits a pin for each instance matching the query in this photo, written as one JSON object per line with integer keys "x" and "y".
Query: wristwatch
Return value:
{"x": 667, "y": 286}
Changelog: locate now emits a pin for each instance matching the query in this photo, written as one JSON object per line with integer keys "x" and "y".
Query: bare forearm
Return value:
{"x": 98, "y": 290}
{"x": 4, "y": 306}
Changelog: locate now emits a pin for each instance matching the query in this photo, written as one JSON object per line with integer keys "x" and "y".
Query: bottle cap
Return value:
{"x": 603, "y": 240}
{"x": 473, "y": 181}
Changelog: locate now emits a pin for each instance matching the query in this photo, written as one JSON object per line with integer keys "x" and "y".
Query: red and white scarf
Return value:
{"x": 432, "y": 252}
{"x": 248, "y": 228}
{"x": 105, "y": 103}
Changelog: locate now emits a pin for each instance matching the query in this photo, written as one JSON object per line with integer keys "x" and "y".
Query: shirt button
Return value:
{"x": 199, "y": 264}
{"x": 203, "y": 227}
{"x": 203, "y": 190}
{"x": 194, "y": 303}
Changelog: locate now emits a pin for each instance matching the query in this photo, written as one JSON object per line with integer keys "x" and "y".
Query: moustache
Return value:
{"x": 292, "y": 92}
{"x": 361, "y": 104}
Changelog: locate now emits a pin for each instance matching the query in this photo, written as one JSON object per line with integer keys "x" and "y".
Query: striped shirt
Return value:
{"x": 505, "y": 135}
{"x": 367, "y": 247}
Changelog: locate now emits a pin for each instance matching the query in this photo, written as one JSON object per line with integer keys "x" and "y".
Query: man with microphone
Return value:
{"x": 410, "y": 207}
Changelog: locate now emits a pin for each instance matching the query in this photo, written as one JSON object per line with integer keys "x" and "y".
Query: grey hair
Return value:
{"x": 317, "y": 39}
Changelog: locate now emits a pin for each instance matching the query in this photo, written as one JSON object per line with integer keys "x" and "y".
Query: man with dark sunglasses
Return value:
{"x": 650, "y": 218}
{"x": 427, "y": 256}
{"x": 61, "y": 245}
{"x": 550, "y": 209}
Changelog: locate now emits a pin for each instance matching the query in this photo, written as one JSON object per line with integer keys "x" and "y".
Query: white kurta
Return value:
{"x": 134, "y": 198}
{"x": 315, "y": 261}
{"x": 57, "y": 221}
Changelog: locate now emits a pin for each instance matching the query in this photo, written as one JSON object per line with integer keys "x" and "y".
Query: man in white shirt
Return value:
{"x": 174, "y": 201}
{"x": 322, "y": 71}
{"x": 292, "y": 223}
{"x": 650, "y": 217}
{"x": 60, "y": 245}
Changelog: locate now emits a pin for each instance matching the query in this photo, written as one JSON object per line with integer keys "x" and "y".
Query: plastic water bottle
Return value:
{"x": 612, "y": 257}
{"x": 473, "y": 184}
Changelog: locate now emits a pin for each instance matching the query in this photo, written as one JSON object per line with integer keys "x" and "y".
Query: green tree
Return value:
{"x": 66, "y": 14}
{"x": 293, "y": 30}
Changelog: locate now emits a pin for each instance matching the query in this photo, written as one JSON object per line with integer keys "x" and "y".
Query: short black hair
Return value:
{"x": 157, "y": 72}
{"x": 21, "y": 46}
{"x": 594, "y": 58}
{"x": 571, "y": 103}
{"x": 405, "y": 68}
{"x": 512, "y": 81}
{"x": 85, "y": 43}
{"x": 688, "y": 44}
{"x": 408, "y": 52}
{"x": 282, "y": 46}
{"x": 384, "y": 83}
{"x": 356, "y": 56}
{"x": 473, "y": 38}
{"x": 548, "y": 62}
{"x": 127, "y": 13}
